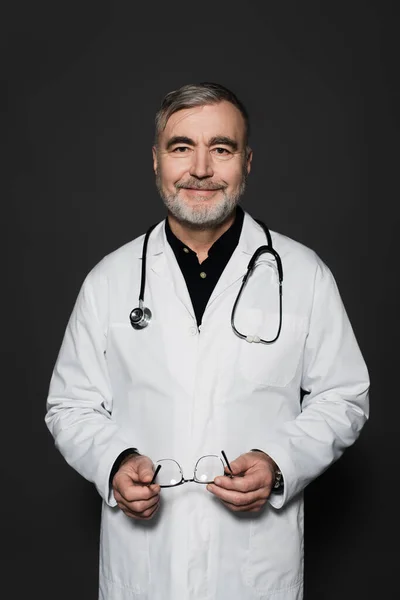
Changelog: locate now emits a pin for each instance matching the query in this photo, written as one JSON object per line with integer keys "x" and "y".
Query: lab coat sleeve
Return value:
{"x": 336, "y": 405}
{"x": 79, "y": 403}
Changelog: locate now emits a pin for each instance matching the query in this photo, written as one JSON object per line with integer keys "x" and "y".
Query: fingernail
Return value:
{"x": 217, "y": 480}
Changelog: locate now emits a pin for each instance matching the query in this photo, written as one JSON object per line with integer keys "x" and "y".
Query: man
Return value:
{"x": 186, "y": 382}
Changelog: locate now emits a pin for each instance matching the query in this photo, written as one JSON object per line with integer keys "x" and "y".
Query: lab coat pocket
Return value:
{"x": 277, "y": 363}
{"x": 276, "y": 555}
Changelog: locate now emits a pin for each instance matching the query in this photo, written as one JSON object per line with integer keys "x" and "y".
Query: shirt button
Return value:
{"x": 203, "y": 275}
{"x": 193, "y": 330}
{"x": 186, "y": 250}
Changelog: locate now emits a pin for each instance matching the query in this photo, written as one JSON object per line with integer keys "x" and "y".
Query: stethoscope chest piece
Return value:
{"x": 140, "y": 317}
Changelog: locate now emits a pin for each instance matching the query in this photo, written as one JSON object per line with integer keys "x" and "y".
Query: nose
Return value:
{"x": 201, "y": 165}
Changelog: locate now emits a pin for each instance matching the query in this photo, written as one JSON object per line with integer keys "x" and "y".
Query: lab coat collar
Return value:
{"x": 251, "y": 237}
{"x": 160, "y": 253}
{"x": 162, "y": 261}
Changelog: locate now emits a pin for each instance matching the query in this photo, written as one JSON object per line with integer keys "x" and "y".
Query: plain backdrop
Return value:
{"x": 83, "y": 81}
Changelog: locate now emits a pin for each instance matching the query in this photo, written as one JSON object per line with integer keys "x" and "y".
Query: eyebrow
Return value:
{"x": 219, "y": 139}
{"x": 224, "y": 141}
{"x": 179, "y": 139}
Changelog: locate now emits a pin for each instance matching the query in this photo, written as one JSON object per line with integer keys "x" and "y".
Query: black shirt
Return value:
{"x": 202, "y": 278}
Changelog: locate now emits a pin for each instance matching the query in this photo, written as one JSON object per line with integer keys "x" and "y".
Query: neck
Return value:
{"x": 200, "y": 241}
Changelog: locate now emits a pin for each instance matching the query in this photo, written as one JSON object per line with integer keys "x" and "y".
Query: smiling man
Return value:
{"x": 201, "y": 178}
{"x": 205, "y": 387}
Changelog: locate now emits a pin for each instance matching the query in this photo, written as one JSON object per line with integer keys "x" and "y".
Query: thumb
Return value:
{"x": 145, "y": 471}
{"x": 239, "y": 465}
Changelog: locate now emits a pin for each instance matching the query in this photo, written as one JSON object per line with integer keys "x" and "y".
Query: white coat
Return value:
{"x": 175, "y": 392}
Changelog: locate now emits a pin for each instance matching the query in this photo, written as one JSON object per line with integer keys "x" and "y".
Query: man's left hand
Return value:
{"x": 251, "y": 486}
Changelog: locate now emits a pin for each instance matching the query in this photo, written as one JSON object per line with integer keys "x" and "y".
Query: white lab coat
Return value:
{"x": 173, "y": 392}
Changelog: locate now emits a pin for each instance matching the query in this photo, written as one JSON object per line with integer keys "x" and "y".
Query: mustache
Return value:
{"x": 200, "y": 185}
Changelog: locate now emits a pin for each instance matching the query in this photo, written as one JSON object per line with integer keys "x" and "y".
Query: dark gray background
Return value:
{"x": 84, "y": 81}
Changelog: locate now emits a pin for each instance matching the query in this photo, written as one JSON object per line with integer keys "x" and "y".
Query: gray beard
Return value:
{"x": 201, "y": 217}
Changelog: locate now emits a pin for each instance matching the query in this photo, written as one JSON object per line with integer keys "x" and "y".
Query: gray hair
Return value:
{"x": 196, "y": 94}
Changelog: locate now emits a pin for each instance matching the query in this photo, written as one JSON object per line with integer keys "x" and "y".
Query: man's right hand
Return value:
{"x": 134, "y": 496}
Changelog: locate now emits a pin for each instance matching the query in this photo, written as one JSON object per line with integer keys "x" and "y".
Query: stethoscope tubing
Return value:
{"x": 141, "y": 316}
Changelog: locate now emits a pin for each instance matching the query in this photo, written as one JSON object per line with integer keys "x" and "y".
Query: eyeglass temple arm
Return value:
{"x": 227, "y": 461}
{"x": 155, "y": 474}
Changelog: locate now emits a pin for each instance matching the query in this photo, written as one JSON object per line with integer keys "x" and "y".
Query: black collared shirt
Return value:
{"x": 202, "y": 278}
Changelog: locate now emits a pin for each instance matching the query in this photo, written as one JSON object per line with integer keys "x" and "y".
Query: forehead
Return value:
{"x": 204, "y": 122}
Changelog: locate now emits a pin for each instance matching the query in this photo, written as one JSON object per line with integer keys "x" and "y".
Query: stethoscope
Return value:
{"x": 141, "y": 316}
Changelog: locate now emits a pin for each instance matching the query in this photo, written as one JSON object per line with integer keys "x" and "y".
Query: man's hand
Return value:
{"x": 134, "y": 496}
{"x": 251, "y": 486}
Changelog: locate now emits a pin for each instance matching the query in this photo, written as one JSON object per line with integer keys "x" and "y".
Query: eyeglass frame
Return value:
{"x": 193, "y": 480}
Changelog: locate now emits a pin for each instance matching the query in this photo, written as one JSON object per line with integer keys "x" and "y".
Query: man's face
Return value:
{"x": 201, "y": 164}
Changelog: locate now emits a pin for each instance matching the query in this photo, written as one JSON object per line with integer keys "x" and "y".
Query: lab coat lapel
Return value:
{"x": 162, "y": 261}
{"x": 234, "y": 270}
{"x": 251, "y": 237}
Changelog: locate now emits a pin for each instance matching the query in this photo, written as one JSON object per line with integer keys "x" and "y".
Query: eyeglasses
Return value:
{"x": 169, "y": 473}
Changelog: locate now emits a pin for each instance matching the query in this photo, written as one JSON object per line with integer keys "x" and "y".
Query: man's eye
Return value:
{"x": 180, "y": 149}
{"x": 221, "y": 151}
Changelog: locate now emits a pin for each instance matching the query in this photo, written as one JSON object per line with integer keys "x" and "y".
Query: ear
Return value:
{"x": 249, "y": 158}
{"x": 155, "y": 160}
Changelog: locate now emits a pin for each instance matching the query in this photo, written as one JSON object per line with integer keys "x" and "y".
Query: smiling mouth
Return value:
{"x": 202, "y": 189}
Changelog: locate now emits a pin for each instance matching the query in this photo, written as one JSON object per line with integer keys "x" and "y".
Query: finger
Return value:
{"x": 248, "y": 483}
{"x": 135, "y": 492}
{"x": 151, "y": 513}
{"x": 238, "y": 498}
{"x": 141, "y": 507}
{"x": 136, "y": 504}
{"x": 138, "y": 508}
{"x": 239, "y": 465}
{"x": 145, "y": 472}
{"x": 126, "y": 479}
{"x": 148, "y": 514}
